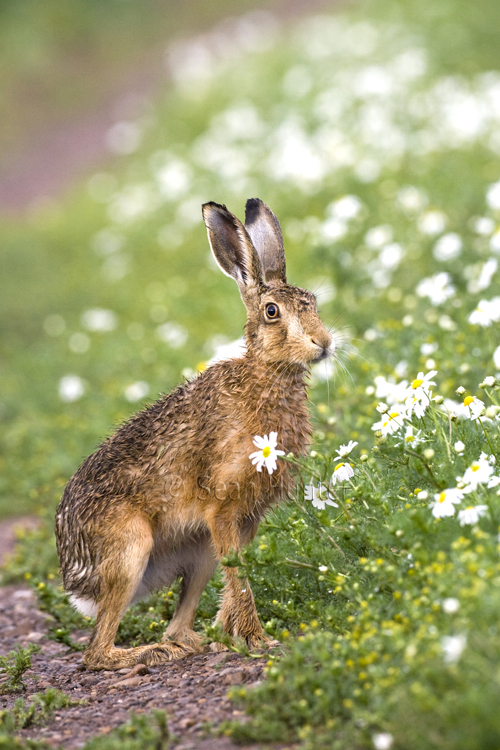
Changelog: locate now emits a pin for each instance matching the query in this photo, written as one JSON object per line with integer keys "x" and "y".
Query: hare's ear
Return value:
{"x": 265, "y": 232}
{"x": 231, "y": 246}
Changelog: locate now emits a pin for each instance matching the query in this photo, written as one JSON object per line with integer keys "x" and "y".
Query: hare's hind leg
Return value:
{"x": 120, "y": 574}
{"x": 198, "y": 565}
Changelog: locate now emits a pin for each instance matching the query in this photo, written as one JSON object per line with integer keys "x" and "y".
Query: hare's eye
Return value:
{"x": 272, "y": 311}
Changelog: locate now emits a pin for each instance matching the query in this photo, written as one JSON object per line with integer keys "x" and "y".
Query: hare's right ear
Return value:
{"x": 265, "y": 232}
{"x": 232, "y": 247}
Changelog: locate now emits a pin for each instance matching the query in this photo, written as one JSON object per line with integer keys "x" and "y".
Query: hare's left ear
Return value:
{"x": 232, "y": 247}
{"x": 265, "y": 232}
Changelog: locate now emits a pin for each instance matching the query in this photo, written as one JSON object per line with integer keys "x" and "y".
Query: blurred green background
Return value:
{"x": 69, "y": 72}
{"x": 125, "y": 236}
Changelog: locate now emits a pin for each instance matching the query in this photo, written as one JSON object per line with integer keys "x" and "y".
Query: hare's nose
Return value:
{"x": 325, "y": 343}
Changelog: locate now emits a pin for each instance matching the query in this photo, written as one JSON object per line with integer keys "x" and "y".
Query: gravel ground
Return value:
{"x": 193, "y": 691}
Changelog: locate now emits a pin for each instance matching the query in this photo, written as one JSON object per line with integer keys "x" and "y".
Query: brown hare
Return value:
{"x": 175, "y": 489}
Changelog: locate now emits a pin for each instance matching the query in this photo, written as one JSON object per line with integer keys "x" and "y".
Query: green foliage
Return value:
{"x": 53, "y": 600}
{"x": 388, "y": 610}
{"x": 140, "y": 733}
{"x": 14, "y": 665}
{"x": 405, "y": 611}
{"x": 8, "y": 741}
{"x": 39, "y": 710}
{"x": 36, "y": 551}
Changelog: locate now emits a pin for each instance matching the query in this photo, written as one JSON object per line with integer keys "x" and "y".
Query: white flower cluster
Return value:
{"x": 404, "y": 400}
{"x": 320, "y": 495}
{"x": 480, "y": 472}
{"x": 486, "y": 312}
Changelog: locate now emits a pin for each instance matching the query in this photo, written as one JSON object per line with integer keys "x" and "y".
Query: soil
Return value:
{"x": 192, "y": 691}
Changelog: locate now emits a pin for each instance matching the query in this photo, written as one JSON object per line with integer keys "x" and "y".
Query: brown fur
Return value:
{"x": 174, "y": 490}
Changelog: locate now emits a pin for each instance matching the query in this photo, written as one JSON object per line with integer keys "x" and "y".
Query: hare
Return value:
{"x": 174, "y": 489}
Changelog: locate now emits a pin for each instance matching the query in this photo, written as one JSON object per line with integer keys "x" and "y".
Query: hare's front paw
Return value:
{"x": 119, "y": 658}
{"x": 159, "y": 653}
{"x": 186, "y": 637}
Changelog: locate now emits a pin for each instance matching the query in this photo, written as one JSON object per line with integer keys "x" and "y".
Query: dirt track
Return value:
{"x": 193, "y": 691}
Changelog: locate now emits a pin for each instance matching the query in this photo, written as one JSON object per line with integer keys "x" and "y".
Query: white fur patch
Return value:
{"x": 87, "y": 607}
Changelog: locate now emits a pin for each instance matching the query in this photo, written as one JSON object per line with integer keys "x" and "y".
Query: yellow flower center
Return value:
{"x": 442, "y": 497}
{"x": 339, "y": 466}
{"x": 417, "y": 383}
{"x": 468, "y": 400}
{"x": 475, "y": 467}
{"x": 394, "y": 414}
{"x": 409, "y": 438}
{"x": 266, "y": 452}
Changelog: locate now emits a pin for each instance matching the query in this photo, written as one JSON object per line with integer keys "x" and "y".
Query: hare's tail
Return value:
{"x": 85, "y": 605}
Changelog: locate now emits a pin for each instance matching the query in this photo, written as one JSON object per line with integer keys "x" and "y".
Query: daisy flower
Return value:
{"x": 472, "y": 514}
{"x": 382, "y": 741}
{"x": 451, "y": 605}
{"x": 475, "y": 406}
{"x": 478, "y": 473}
{"x": 344, "y": 450}
{"x": 319, "y": 496}
{"x": 437, "y": 288}
{"x": 267, "y": 453}
{"x": 389, "y": 391}
{"x": 453, "y": 645}
{"x": 342, "y": 473}
{"x": 412, "y": 436}
{"x": 419, "y": 393}
{"x": 390, "y": 422}
{"x": 496, "y": 357}
{"x": 489, "y": 381}
{"x": 486, "y": 313}
{"x": 445, "y": 502}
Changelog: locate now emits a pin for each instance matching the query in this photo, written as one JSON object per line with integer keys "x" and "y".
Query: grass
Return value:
{"x": 14, "y": 665}
{"x": 388, "y": 608}
{"x": 38, "y": 710}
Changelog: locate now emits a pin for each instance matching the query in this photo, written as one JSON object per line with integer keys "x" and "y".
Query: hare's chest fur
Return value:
{"x": 208, "y": 439}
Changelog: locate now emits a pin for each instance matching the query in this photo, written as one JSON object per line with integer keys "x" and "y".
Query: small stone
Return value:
{"x": 35, "y": 636}
{"x": 89, "y": 680}
{"x": 217, "y": 659}
{"x": 45, "y": 685}
{"x": 235, "y": 677}
{"x": 186, "y": 723}
{"x": 127, "y": 682}
{"x": 213, "y": 678}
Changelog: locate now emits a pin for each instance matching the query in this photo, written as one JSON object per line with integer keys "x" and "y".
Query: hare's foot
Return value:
{"x": 186, "y": 636}
{"x": 119, "y": 658}
{"x": 159, "y": 653}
